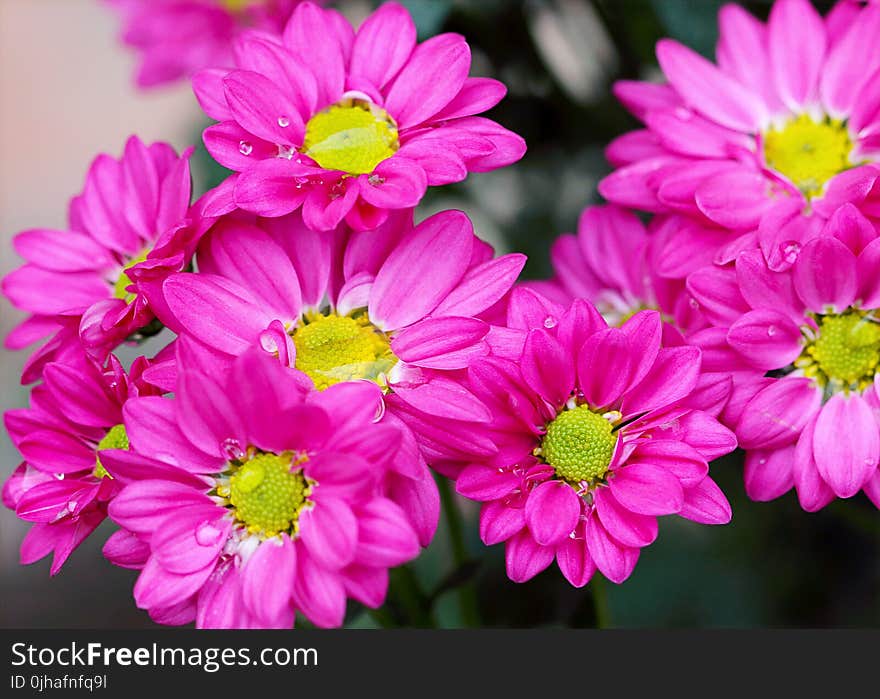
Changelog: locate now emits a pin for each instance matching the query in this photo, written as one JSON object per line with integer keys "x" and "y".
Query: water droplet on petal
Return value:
{"x": 245, "y": 148}
{"x": 771, "y": 331}
{"x": 208, "y": 534}
{"x": 693, "y": 303}
{"x": 232, "y": 448}
{"x": 549, "y": 322}
{"x": 790, "y": 251}
{"x": 283, "y": 122}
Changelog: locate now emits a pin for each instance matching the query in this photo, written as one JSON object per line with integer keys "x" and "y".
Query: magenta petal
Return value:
{"x": 616, "y": 562}
{"x": 157, "y": 587}
{"x": 126, "y": 550}
{"x": 269, "y": 188}
{"x": 552, "y": 511}
{"x": 706, "y": 504}
{"x": 396, "y": 183}
{"x": 574, "y": 561}
{"x": 260, "y": 107}
{"x": 435, "y": 337}
{"x": 446, "y": 399}
{"x": 647, "y": 489}
{"x": 141, "y": 506}
{"x": 846, "y": 444}
{"x": 499, "y": 522}
{"x": 673, "y": 376}
{"x": 329, "y": 531}
{"x": 679, "y": 458}
{"x": 482, "y": 286}
{"x": 267, "y": 581}
{"x": 312, "y": 35}
{"x": 768, "y": 473}
{"x": 627, "y": 527}
{"x": 766, "y": 338}
{"x": 318, "y": 593}
{"x": 644, "y": 331}
{"x": 385, "y": 536}
{"x": 525, "y": 557}
{"x": 778, "y": 413}
{"x": 825, "y": 275}
{"x": 547, "y": 368}
{"x": 422, "y": 270}
{"x": 190, "y": 539}
{"x": 735, "y": 200}
{"x": 797, "y": 43}
{"x": 708, "y": 90}
{"x": 528, "y": 310}
{"x": 383, "y": 44}
{"x": 484, "y": 483}
{"x": 605, "y": 367}
{"x": 813, "y": 492}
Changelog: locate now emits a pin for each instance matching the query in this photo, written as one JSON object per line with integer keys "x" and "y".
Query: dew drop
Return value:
{"x": 790, "y": 251}
{"x": 549, "y": 322}
{"x": 208, "y": 534}
{"x": 693, "y": 303}
{"x": 232, "y": 448}
{"x": 245, "y": 148}
{"x": 771, "y": 331}
{"x": 283, "y": 122}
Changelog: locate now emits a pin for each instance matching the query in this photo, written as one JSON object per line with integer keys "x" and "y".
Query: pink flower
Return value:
{"x": 402, "y": 306}
{"x": 613, "y": 263}
{"x": 803, "y": 347}
{"x": 349, "y": 125}
{"x": 62, "y": 486}
{"x": 176, "y": 38}
{"x": 126, "y": 232}
{"x": 250, "y": 497}
{"x": 765, "y": 145}
{"x": 597, "y": 435}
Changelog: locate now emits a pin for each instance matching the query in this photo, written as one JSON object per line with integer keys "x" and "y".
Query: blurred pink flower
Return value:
{"x": 761, "y": 148}
{"x": 176, "y": 38}
{"x": 126, "y": 231}
{"x": 62, "y": 486}
{"x": 349, "y": 125}
{"x": 803, "y": 347}
{"x": 598, "y": 431}
{"x": 250, "y": 497}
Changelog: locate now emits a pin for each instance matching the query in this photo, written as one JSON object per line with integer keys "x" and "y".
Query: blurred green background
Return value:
{"x": 775, "y": 565}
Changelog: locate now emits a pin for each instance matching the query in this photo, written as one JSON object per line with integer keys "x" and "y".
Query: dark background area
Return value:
{"x": 774, "y": 565}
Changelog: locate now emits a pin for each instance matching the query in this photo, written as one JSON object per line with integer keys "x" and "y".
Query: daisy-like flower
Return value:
{"x": 612, "y": 263}
{"x": 126, "y": 231}
{"x": 349, "y": 126}
{"x": 250, "y": 497}
{"x": 772, "y": 139}
{"x": 176, "y": 38}
{"x": 804, "y": 348}
{"x": 597, "y": 436}
{"x": 62, "y": 485}
{"x": 399, "y": 305}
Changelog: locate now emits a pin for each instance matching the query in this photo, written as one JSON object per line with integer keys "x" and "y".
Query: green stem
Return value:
{"x": 408, "y": 594}
{"x": 600, "y": 600}
{"x": 467, "y": 594}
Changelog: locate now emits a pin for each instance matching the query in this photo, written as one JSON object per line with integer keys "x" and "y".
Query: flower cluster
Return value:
{"x": 328, "y": 353}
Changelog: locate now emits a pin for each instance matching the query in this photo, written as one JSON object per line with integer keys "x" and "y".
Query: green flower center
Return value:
{"x": 353, "y": 136}
{"x": 267, "y": 496}
{"x": 123, "y": 282}
{"x": 579, "y": 445}
{"x": 116, "y": 438}
{"x": 845, "y": 352}
{"x": 809, "y": 153}
{"x": 333, "y": 348}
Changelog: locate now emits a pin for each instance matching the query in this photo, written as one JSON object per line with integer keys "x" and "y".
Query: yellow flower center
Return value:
{"x": 123, "y": 282}
{"x": 116, "y": 438}
{"x": 353, "y": 136}
{"x": 333, "y": 348}
{"x": 845, "y": 352}
{"x": 236, "y": 5}
{"x": 809, "y": 153}
{"x": 579, "y": 444}
{"x": 266, "y": 495}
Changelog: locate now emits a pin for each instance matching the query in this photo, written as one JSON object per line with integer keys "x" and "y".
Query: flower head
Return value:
{"x": 126, "y": 232}
{"x": 349, "y": 125}
{"x": 803, "y": 347}
{"x": 62, "y": 486}
{"x": 598, "y": 430}
{"x": 249, "y": 497}
{"x": 773, "y": 138}
{"x": 176, "y": 38}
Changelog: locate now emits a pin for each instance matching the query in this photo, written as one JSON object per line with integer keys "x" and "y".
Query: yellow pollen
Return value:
{"x": 353, "y": 136}
{"x": 123, "y": 282}
{"x": 333, "y": 348}
{"x": 266, "y": 495}
{"x": 236, "y": 5}
{"x": 116, "y": 438}
{"x": 809, "y": 153}
{"x": 845, "y": 353}
{"x": 579, "y": 445}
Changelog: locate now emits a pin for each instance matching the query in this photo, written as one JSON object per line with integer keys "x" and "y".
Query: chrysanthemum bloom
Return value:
{"x": 774, "y": 138}
{"x": 597, "y": 435}
{"x": 612, "y": 263}
{"x": 250, "y": 497}
{"x": 399, "y": 305}
{"x": 804, "y": 347}
{"x": 349, "y": 126}
{"x": 62, "y": 486}
{"x": 176, "y": 38}
{"x": 126, "y": 231}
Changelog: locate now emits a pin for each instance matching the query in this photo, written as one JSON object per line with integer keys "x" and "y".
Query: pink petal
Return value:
{"x": 646, "y": 489}
{"x": 615, "y": 561}
{"x": 260, "y": 107}
{"x": 329, "y": 531}
{"x": 825, "y": 275}
{"x": 312, "y": 35}
{"x": 605, "y": 367}
{"x": 846, "y": 463}
{"x": 482, "y": 286}
{"x": 574, "y": 560}
{"x": 797, "y": 51}
{"x": 484, "y": 483}
{"x": 385, "y": 536}
{"x": 778, "y": 413}
{"x": 499, "y": 522}
{"x": 552, "y": 511}
{"x": 706, "y": 504}
{"x": 318, "y": 593}
{"x": 671, "y": 378}
{"x": 396, "y": 183}
{"x": 446, "y": 399}
{"x": 629, "y": 528}
{"x": 768, "y": 473}
{"x": 525, "y": 557}
{"x": 546, "y": 367}
{"x": 383, "y": 44}
{"x": 435, "y": 337}
{"x": 766, "y": 338}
